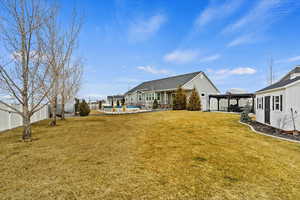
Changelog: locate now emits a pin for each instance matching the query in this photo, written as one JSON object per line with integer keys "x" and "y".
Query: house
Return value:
{"x": 163, "y": 90}
{"x": 112, "y": 100}
{"x": 278, "y": 105}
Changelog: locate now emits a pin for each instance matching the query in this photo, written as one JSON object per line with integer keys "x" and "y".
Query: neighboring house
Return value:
{"x": 163, "y": 90}
{"x": 113, "y": 99}
{"x": 277, "y": 103}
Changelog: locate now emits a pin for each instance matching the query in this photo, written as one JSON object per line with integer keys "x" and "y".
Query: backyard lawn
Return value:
{"x": 160, "y": 155}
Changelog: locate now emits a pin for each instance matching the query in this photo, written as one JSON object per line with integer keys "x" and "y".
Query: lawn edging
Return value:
{"x": 261, "y": 133}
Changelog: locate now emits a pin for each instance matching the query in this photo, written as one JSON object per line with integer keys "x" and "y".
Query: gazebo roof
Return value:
{"x": 234, "y": 96}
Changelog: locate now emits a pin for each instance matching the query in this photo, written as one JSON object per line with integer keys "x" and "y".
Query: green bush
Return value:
{"x": 245, "y": 115}
{"x": 84, "y": 109}
{"x": 179, "y": 102}
{"x": 155, "y": 104}
{"x": 123, "y": 102}
{"x": 194, "y": 101}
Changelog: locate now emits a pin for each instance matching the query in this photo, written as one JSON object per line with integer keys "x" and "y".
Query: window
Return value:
{"x": 140, "y": 97}
{"x": 260, "y": 103}
{"x": 277, "y": 102}
{"x": 158, "y": 96}
{"x": 152, "y": 96}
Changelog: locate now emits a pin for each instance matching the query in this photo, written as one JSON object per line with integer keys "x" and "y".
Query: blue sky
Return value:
{"x": 126, "y": 42}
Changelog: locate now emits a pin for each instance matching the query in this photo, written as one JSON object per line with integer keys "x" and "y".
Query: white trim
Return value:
{"x": 273, "y": 136}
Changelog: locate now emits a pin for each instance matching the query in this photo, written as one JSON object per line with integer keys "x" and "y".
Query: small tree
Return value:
{"x": 84, "y": 109}
{"x": 245, "y": 114}
{"x": 194, "y": 101}
{"x": 76, "y": 106}
{"x": 100, "y": 105}
{"x": 155, "y": 104}
{"x": 118, "y": 103}
{"x": 123, "y": 102}
{"x": 179, "y": 102}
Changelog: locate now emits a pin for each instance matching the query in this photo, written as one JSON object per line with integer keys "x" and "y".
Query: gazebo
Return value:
{"x": 231, "y": 96}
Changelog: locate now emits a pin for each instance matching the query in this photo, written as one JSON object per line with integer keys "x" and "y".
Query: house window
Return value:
{"x": 140, "y": 97}
{"x": 158, "y": 96}
{"x": 152, "y": 96}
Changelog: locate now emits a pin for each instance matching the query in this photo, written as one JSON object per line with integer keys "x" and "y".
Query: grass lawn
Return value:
{"x": 161, "y": 155}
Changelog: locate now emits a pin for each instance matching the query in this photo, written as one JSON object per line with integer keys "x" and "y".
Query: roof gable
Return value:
{"x": 165, "y": 83}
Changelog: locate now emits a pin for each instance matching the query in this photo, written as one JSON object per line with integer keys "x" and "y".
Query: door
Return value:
{"x": 267, "y": 109}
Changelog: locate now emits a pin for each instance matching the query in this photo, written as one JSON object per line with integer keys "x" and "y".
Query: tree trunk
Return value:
{"x": 62, "y": 107}
{"x": 53, "y": 111}
{"x": 27, "y": 127}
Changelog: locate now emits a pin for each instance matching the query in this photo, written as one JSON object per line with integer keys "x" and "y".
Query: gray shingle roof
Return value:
{"x": 295, "y": 70}
{"x": 165, "y": 83}
{"x": 115, "y": 97}
{"x": 282, "y": 83}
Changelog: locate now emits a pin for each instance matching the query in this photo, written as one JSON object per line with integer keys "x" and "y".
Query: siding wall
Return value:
{"x": 203, "y": 86}
{"x": 282, "y": 119}
{"x": 10, "y": 120}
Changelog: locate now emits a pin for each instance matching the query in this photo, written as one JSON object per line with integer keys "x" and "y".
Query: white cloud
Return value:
{"x": 236, "y": 71}
{"x": 217, "y": 11}
{"x": 243, "y": 39}
{"x": 189, "y": 55}
{"x": 242, "y": 71}
{"x": 210, "y": 58}
{"x": 152, "y": 70}
{"x": 143, "y": 29}
{"x": 289, "y": 60}
{"x": 262, "y": 15}
{"x": 181, "y": 56}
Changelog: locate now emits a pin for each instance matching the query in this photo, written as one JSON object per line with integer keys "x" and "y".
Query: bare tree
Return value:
{"x": 22, "y": 24}
{"x": 60, "y": 47}
{"x": 71, "y": 83}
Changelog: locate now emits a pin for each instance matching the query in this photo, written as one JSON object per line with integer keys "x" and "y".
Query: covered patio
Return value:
{"x": 229, "y": 97}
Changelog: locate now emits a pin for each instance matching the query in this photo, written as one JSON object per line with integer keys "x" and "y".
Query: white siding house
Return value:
{"x": 163, "y": 90}
{"x": 278, "y": 105}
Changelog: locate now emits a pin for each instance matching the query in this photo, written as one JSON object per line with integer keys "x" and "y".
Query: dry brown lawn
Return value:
{"x": 161, "y": 155}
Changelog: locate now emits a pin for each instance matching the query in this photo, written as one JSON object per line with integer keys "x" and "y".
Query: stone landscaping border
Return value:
{"x": 277, "y": 137}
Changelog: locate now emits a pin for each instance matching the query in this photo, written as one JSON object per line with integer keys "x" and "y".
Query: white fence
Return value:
{"x": 11, "y": 120}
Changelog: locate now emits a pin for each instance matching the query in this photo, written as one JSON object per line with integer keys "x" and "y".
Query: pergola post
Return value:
{"x": 228, "y": 105}
{"x": 218, "y": 104}
{"x": 253, "y": 102}
{"x": 238, "y": 102}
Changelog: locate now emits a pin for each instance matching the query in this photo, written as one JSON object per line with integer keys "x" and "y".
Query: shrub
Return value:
{"x": 76, "y": 106}
{"x": 100, "y": 105}
{"x": 194, "y": 101}
{"x": 123, "y": 102}
{"x": 155, "y": 104}
{"x": 84, "y": 109}
{"x": 245, "y": 115}
{"x": 179, "y": 102}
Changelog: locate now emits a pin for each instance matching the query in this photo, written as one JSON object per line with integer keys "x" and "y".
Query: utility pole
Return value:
{"x": 271, "y": 78}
